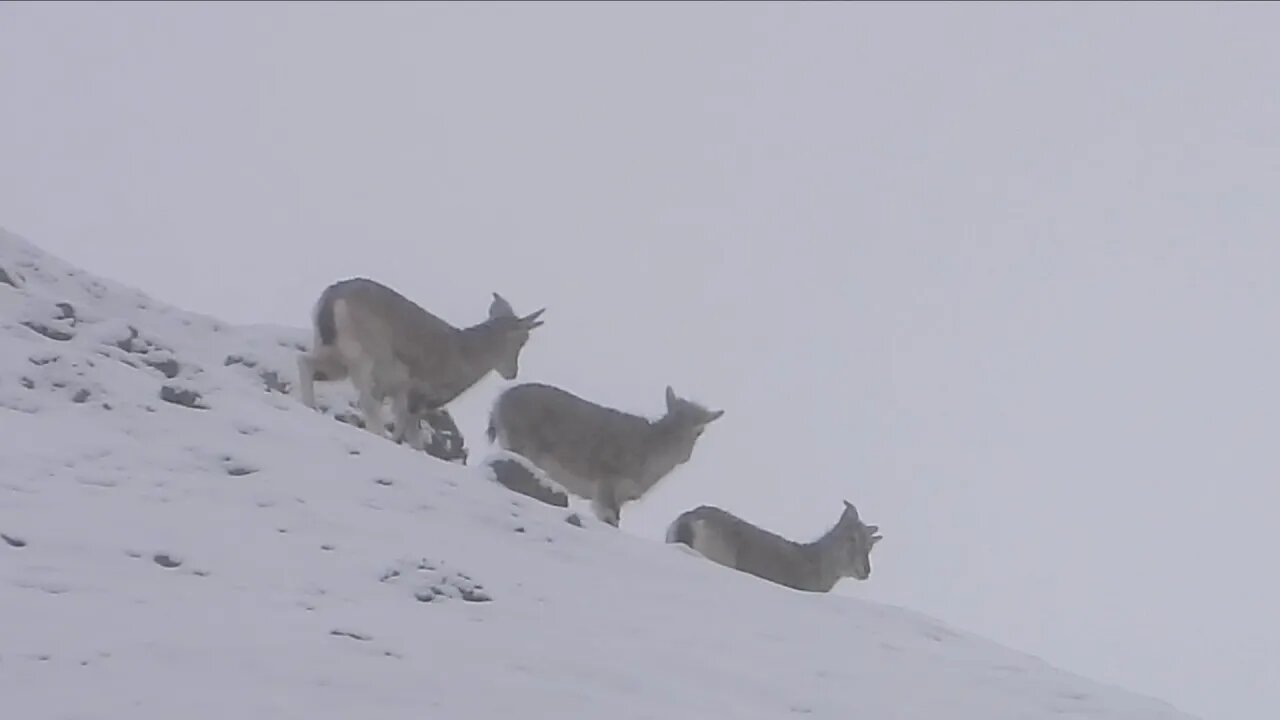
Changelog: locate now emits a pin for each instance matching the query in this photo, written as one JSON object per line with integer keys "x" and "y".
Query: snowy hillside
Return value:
{"x": 182, "y": 539}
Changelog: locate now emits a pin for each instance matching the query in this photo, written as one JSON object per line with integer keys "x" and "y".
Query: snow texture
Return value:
{"x": 179, "y": 537}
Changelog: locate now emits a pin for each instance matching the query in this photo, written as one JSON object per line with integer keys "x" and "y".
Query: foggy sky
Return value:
{"x": 1004, "y": 276}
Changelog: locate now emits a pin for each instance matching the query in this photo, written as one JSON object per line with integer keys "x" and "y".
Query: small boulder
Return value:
{"x": 519, "y": 475}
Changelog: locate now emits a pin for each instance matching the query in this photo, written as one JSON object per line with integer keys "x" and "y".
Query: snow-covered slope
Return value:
{"x": 181, "y": 539}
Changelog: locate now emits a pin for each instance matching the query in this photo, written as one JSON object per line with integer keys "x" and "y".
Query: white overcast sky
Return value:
{"x": 1003, "y": 275}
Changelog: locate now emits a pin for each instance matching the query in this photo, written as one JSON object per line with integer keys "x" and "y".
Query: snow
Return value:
{"x": 216, "y": 550}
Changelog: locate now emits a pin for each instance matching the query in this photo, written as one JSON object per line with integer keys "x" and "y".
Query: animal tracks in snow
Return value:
{"x": 431, "y": 581}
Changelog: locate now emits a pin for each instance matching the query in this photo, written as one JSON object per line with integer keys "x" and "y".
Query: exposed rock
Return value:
{"x": 8, "y": 279}
{"x": 273, "y": 382}
{"x": 52, "y": 333}
{"x": 182, "y": 396}
{"x": 168, "y": 367}
{"x": 166, "y": 561}
{"x": 516, "y": 476}
{"x": 351, "y": 634}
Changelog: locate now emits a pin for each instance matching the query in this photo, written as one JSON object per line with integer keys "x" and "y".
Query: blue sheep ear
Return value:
{"x": 500, "y": 307}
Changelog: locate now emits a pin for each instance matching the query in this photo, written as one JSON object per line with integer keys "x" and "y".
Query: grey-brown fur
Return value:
{"x": 605, "y": 455}
{"x": 390, "y": 347}
{"x": 724, "y": 538}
